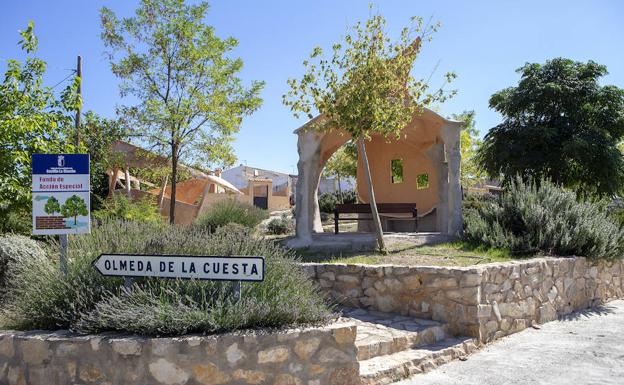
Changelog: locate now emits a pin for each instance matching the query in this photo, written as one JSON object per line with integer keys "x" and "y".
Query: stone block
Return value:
{"x": 304, "y": 349}
{"x": 209, "y": 374}
{"x": 412, "y": 282}
{"x": 252, "y": 377}
{"x": 126, "y": 347}
{"x": 6, "y": 346}
{"x": 274, "y": 354}
{"x": 468, "y": 279}
{"x": 546, "y": 313}
{"x": 331, "y": 354}
{"x": 35, "y": 351}
{"x": 234, "y": 355}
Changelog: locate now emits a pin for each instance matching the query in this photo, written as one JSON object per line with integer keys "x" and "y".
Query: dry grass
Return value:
{"x": 405, "y": 253}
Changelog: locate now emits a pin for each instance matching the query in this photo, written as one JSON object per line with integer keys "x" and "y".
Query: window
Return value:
{"x": 422, "y": 181}
{"x": 397, "y": 170}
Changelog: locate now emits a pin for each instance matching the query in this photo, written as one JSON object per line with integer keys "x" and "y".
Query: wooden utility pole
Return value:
{"x": 63, "y": 237}
{"x": 78, "y": 110}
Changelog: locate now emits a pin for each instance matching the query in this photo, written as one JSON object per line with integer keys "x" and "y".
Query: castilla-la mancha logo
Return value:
{"x": 61, "y": 161}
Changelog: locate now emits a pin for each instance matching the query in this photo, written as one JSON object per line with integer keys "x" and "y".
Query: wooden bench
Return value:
{"x": 382, "y": 208}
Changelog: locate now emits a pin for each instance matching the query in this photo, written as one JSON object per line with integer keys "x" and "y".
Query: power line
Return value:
{"x": 67, "y": 77}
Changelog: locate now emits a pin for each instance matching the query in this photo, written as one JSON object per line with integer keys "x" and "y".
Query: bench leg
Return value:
{"x": 336, "y": 222}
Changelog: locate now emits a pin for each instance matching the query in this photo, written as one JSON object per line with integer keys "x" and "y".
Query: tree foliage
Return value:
{"x": 98, "y": 136}
{"x": 559, "y": 123}
{"x": 366, "y": 88}
{"x": 52, "y": 206}
{"x": 343, "y": 162}
{"x": 74, "y": 206}
{"x": 33, "y": 119}
{"x": 471, "y": 172}
{"x": 187, "y": 86}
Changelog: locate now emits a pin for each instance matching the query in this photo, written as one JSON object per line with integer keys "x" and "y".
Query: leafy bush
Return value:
{"x": 39, "y": 297}
{"x": 279, "y": 226}
{"x": 231, "y": 211}
{"x": 121, "y": 207}
{"x": 328, "y": 201}
{"x": 16, "y": 247}
{"x": 541, "y": 217}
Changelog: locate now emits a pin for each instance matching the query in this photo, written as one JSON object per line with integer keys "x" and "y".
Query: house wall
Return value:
{"x": 240, "y": 175}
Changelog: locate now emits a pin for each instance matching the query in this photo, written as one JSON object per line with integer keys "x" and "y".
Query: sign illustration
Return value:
{"x": 60, "y": 194}
{"x": 181, "y": 266}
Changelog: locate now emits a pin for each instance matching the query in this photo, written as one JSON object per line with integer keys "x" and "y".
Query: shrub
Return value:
{"x": 123, "y": 208}
{"x": 231, "y": 211}
{"x": 41, "y": 298}
{"x": 328, "y": 201}
{"x": 541, "y": 217}
{"x": 279, "y": 226}
{"x": 15, "y": 247}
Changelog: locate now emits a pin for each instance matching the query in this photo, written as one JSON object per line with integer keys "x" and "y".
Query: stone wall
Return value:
{"x": 513, "y": 296}
{"x": 486, "y": 302}
{"x": 314, "y": 356}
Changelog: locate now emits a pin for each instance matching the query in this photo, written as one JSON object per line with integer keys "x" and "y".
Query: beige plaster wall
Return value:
{"x": 380, "y": 154}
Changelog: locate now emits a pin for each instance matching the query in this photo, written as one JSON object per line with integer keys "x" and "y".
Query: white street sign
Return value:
{"x": 181, "y": 266}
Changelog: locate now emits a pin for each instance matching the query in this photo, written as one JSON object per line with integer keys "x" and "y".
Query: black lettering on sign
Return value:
{"x": 163, "y": 267}
{"x": 254, "y": 269}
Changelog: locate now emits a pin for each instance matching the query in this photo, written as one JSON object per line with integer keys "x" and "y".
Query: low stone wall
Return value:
{"x": 513, "y": 296}
{"x": 486, "y": 302}
{"x": 314, "y": 356}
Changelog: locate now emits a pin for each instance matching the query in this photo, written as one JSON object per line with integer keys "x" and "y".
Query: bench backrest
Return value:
{"x": 364, "y": 208}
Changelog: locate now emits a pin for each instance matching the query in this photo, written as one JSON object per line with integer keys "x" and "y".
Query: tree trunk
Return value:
{"x": 174, "y": 175}
{"x": 339, "y": 188}
{"x": 371, "y": 197}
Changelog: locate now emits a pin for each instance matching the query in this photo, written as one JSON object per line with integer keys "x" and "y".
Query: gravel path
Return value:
{"x": 584, "y": 348}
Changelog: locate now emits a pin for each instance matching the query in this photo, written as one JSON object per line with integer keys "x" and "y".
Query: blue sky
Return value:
{"x": 482, "y": 41}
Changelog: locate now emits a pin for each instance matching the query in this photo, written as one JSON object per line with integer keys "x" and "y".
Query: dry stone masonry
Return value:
{"x": 314, "y": 356}
{"x": 486, "y": 302}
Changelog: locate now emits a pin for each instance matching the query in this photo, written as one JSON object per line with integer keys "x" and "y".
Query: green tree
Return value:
{"x": 560, "y": 124}
{"x": 74, "y": 206}
{"x": 471, "y": 172}
{"x": 343, "y": 163}
{"x": 52, "y": 206}
{"x": 33, "y": 119}
{"x": 98, "y": 136}
{"x": 366, "y": 88}
{"x": 189, "y": 95}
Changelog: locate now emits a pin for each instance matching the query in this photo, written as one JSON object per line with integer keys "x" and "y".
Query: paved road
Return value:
{"x": 585, "y": 348}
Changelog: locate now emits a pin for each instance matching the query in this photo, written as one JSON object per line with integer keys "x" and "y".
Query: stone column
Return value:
{"x": 451, "y": 134}
{"x": 306, "y": 199}
{"x": 436, "y": 154}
